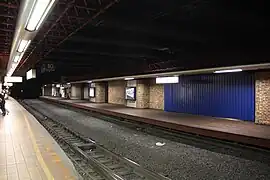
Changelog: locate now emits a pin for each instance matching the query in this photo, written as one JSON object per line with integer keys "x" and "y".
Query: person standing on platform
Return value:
{"x": 2, "y": 104}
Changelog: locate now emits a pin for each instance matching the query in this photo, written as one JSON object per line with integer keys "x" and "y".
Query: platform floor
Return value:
{"x": 221, "y": 128}
{"x": 27, "y": 151}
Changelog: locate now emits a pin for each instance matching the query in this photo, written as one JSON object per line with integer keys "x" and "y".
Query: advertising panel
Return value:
{"x": 131, "y": 93}
{"x": 91, "y": 92}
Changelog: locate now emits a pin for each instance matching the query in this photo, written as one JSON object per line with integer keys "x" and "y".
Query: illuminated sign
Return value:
{"x": 131, "y": 93}
{"x": 8, "y": 84}
{"x": 13, "y": 79}
{"x": 31, "y": 74}
{"x": 91, "y": 92}
{"x": 167, "y": 80}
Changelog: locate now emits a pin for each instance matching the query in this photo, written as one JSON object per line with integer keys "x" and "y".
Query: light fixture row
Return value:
{"x": 38, "y": 12}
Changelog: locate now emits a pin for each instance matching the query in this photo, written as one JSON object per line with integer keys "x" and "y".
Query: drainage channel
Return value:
{"x": 92, "y": 161}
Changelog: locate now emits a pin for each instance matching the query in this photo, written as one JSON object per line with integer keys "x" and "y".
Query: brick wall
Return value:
{"x": 99, "y": 92}
{"x": 142, "y": 94}
{"x": 262, "y": 98}
{"x": 156, "y": 96}
{"x": 116, "y": 94}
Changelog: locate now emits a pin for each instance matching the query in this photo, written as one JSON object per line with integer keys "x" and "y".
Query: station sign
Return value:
{"x": 13, "y": 79}
{"x": 47, "y": 67}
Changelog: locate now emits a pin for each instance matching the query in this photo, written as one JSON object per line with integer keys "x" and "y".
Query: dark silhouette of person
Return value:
{"x": 2, "y": 104}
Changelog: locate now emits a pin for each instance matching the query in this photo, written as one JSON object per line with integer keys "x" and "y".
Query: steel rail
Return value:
{"x": 104, "y": 162}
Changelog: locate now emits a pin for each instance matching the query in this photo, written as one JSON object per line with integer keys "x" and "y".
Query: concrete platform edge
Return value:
{"x": 249, "y": 140}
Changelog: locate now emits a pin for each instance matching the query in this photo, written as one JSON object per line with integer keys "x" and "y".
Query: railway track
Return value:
{"x": 92, "y": 161}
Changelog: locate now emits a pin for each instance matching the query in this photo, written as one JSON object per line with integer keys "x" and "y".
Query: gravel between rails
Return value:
{"x": 176, "y": 160}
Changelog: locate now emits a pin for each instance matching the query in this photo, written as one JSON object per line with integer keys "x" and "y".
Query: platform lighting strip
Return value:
{"x": 228, "y": 71}
{"x": 38, "y": 14}
{"x": 129, "y": 78}
{"x": 23, "y": 45}
{"x": 16, "y": 59}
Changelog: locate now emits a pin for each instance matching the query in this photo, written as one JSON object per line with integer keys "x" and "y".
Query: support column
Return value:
{"x": 76, "y": 92}
{"x": 99, "y": 92}
{"x": 142, "y": 94}
{"x": 116, "y": 92}
{"x": 262, "y": 115}
{"x": 48, "y": 90}
{"x": 156, "y": 95}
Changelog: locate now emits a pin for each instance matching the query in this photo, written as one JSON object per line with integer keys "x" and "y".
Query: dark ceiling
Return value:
{"x": 103, "y": 38}
{"x": 8, "y": 14}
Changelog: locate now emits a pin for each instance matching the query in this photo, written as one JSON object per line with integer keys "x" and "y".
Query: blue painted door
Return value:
{"x": 220, "y": 95}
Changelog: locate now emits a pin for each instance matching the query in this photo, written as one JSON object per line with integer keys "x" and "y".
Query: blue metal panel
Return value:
{"x": 219, "y": 95}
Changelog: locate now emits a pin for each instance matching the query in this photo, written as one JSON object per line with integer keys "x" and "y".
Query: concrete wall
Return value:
{"x": 85, "y": 92}
{"x": 156, "y": 96}
{"x": 48, "y": 91}
{"x": 262, "y": 98}
{"x": 76, "y": 92}
{"x": 116, "y": 92}
{"x": 99, "y": 92}
{"x": 142, "y": 94}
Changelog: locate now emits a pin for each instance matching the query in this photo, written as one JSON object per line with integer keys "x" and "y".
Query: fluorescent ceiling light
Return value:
{"x": 38, "y": 14}
{"x": 89, "y": 81}
{"x": 13, "y": 66}
{"x": 16, "y": 58}
{"x": 129, "y": 78}
{"x": 23, "y": 45}
{"x": 229, "y": 70}
{"x": 167, "y": 80}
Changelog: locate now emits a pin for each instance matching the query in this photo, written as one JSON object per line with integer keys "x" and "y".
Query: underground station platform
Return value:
{"x": 27, "y": 150}
{"x": 242, "y": 132}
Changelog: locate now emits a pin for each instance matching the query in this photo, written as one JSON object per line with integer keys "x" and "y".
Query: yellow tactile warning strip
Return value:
{"x": 36, "y": 149}
{"x": 62, "y": 170}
